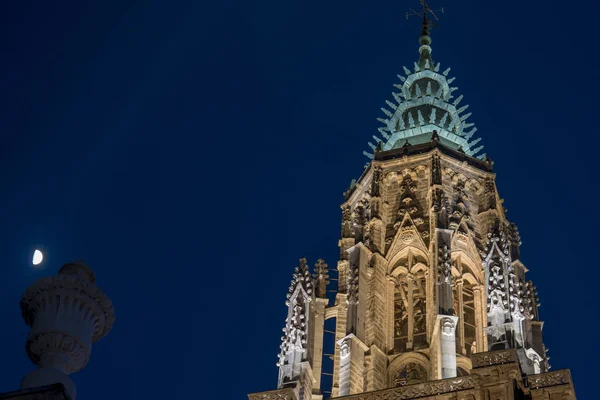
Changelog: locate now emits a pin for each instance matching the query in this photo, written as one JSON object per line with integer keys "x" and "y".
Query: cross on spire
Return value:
{"x": 427, "y": 21}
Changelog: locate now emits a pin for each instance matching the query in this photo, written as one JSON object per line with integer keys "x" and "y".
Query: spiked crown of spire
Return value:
{"x": 425, "y": 102}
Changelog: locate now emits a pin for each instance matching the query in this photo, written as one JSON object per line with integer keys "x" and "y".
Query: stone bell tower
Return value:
{"x": 432, "y": 294}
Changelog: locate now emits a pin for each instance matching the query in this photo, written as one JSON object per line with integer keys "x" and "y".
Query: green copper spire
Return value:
{"x": 425, "y": 102}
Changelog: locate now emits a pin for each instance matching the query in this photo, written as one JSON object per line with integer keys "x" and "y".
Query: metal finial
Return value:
{"x": 427, "y": 22}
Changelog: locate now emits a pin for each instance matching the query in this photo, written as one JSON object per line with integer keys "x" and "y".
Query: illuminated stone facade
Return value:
{"x": 432, "y": 298}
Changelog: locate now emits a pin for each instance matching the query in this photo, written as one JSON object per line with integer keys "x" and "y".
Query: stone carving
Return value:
{"x": 436, "y": 170}
{"x": 496, "y": 262}
{"x": 493, "y": 358}
{"x": 293, "y": 342}
{"x": 376, "y": 181}
{"x": 460, "y": 209}
{"x": 490, "y": 193}
{"x": 368, "y": 237}
{"x": 432, "y": 388}
{"x": 516, "y": 308}
{"x": 66, "y": 313}
{"x": 562, "y": 377}
{"x": 514, "y": 240}
{"x": 280, "y": 394}
{"x": 528, "y": 299}
{"x": 344, "y": 348}
{"x": 448, "y": 326}
{"x": 347, "y": 229}
{"x": 321, "y": 278}
{"x": 353, "y": 277}
{"x": 440, "y": 207}
{"x": 444, "y": 265}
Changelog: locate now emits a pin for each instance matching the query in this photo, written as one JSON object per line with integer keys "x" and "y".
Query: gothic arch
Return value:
{"x": 468, "y": 277}
{"x": 469, "y": 267}
{"x": 395, "y": 261}
{"x": 403, "y": 359}
{"x": 419, "y": 266}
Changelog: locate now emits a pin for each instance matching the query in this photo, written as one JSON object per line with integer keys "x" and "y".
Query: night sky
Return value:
{"x": 191, "y": 152}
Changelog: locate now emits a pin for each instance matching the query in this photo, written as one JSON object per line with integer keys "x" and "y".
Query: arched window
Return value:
{"x": 401, "y": 314}
{"x": 410, "y": 312}
{"x": 469, "y": 319}
{"x": 463, "y": 300}
{"x": 410, "y": 374}
{"x": 420, "y": 311}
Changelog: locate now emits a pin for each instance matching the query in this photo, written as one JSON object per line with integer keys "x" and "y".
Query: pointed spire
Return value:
{"x": 425, "y": 60}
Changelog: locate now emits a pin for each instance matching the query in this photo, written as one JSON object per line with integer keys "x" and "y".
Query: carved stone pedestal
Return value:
{"x": 66, "y": 313}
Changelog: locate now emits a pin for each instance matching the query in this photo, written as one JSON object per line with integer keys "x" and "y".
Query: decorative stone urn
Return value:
{"x": 66, "y": 313}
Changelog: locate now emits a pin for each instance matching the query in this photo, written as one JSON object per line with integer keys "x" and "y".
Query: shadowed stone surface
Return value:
{"x": 50, "y": 392}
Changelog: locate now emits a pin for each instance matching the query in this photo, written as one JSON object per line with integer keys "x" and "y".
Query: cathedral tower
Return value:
{"x": 432, "y": 296}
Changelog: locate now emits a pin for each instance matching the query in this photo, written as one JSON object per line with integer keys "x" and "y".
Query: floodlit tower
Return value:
{"x": 432, "y": 295}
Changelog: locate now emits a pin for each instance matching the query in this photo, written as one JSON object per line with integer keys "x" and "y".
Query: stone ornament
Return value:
{"x": 432, "y": 388}
{"x": 293, "y": 348}
{"x": 448, "y": 326}
{"x": 555, "y": 378}
{"x": 493, "y": 358}
{"x": 66, "y": 313}
{"x": 353, "y": 279}
{"x": 280, "y": 394}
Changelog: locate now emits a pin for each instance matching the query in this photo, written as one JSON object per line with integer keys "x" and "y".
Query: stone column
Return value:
{"x": 317, "y": 338}
{"x": 66, "y": 313}
{"x": 448, "y": 345}
{"x": 389, "y": 306}
{"x": 430, "y": 306}
{"x": 480, "y": 317}
{"x": 461, "y": 315}
{"x": 352, "y": 365}
{"x": 410, "y": 279}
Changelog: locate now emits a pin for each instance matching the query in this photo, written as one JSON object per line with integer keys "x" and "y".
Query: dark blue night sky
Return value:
{"x": 190, "y": 152}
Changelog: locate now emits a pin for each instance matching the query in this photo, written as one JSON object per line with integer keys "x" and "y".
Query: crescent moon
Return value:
{"x": 38, "y": 257}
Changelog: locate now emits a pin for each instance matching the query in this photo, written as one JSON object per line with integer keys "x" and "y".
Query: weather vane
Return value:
{"x": 426, "y": 10}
